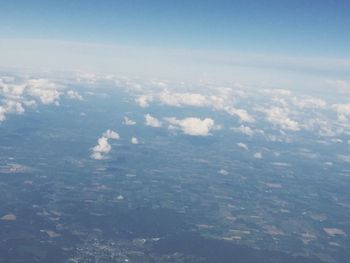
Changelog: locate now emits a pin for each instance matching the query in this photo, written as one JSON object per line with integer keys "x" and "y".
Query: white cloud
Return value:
{"x": 134, "y": 140}
{"x": 144, "y": 100}
{"x": 280, "y": 116}
{"x": 321, "y": 126}
{"x": 10, "y": 90}
{"x": 96, "y": 156}
{"x": 309, "y": 102}
{"x": 103, "y": 147}
{"x": 128, "y": 121}
{"x": 244, "y": 129}
{"x": 74, "y": 95}
{"x": 183, "y": 99}
{"x": 10, "y": 106}
{"x": 243, "y": 115}
{"x": 242, "y": 145}
{"x": 192, "y": 126}
{"x": 343, "y": 112}
{"x": 13, "y": 100}
{"x": 43, "y": 89}
{"x": 109, "y": 134}
{"x": 258, "y": 155}
{"x": 221, "y": 101}
{"x": 152, "y": 121}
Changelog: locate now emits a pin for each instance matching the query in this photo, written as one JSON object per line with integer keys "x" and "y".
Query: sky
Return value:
{"x": 302, "y": 37}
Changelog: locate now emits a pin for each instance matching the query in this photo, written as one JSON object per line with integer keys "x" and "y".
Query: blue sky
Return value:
{"x": 286, "y": 27}
{"x": 271, "y": 28}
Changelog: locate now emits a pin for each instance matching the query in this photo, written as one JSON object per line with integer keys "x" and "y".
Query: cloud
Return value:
{"x": 12, "y": 98}
{"x": 304, "y": 103}
{"x": 221, "y": 101}
{"x": 192, "y": 126}
{"x": 128, "y": 121}
{"x": 144, "y": 100}
{"x": 152, "y": 121}
{"x": 43, "y": 89}
{"x": 244, "y": 129}
{"x": 183, "y": 99}
{"x": 343, "y": 111}
{"x": 242, "y": 145}
{"x": 243, "y": 115}
{"x": 109, "y": 134}
{"x": 10, "y": 106}
{"x": 280, "y": 116}
{"x": 18, "y": 94}
{"x": 258, "y": 155}
{"x": 103, "y": 147}
{"x": 134, "y": 140}
{"x": 74, "y": 95}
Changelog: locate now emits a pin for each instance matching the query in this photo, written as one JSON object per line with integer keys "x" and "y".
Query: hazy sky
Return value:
{"x": 298, "y": 36}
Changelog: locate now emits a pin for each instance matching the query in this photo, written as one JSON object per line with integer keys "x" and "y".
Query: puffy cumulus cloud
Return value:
{"x": 243, "y": 115}
{"x": 152, "y": 121}
{"x": 221, "y": 100}
{"x": 285, "y": 109}
{"x": 10, "y": 106}
{"x": 128, "y": 121}
{"x": 304, "y": 103}
{"x": 17, "y": 94}
{"x": 44, "y": 89}
{"x": 11, "y": 91}
{"x": 343, "y": 112}
{"x": 74, "y": 95}
{"x": 280, "y": 117}
{"x": 103, "y": 147}
{"x": 12, "y": 98}
{"x": 109, "y": 134}
{"x": 14, "y": 106}
{"x": 242, "y": 145}
{"x": 244, "y": 129}
{"x": 192, "y": 126}
{"x": 144, "y": 100}
{"x": 134, "y": 140}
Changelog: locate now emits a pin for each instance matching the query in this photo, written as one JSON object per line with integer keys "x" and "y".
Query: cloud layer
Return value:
{"x": 18, "y": 94}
